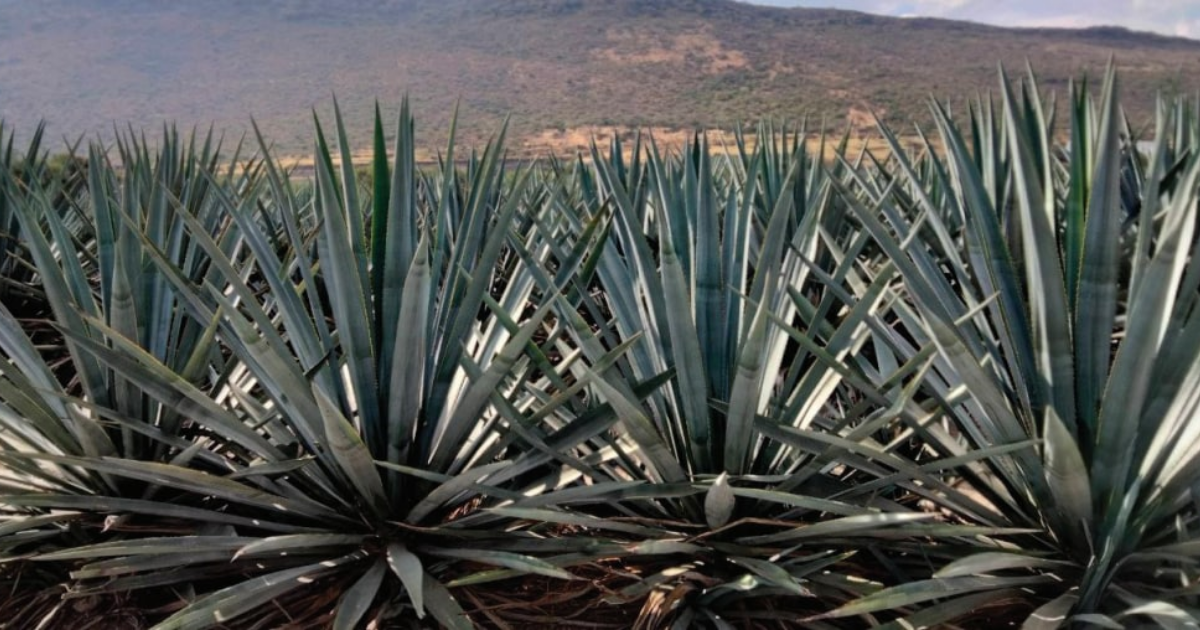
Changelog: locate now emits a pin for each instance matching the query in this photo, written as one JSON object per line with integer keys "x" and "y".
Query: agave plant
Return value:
{"x": 10, "y": 164}
{"x": 30, "y": 169}
{"x": 1058, "y": 283}
{"x": 101, "y": 288}
{"x": 384, "y": 389}
{"x": 708, "y": 270}
{"x": 98, "y": 280}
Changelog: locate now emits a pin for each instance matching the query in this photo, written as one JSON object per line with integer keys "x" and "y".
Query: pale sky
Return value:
{"x": 1169, "y": 17}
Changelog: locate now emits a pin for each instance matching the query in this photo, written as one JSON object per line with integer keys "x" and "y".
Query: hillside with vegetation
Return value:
{"x": 561, "y": 68}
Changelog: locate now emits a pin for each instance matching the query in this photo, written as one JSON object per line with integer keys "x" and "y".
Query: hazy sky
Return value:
{"x": 1171, "y": 17}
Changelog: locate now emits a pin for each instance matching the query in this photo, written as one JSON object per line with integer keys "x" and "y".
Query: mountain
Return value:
{"x": 557, "y": 66}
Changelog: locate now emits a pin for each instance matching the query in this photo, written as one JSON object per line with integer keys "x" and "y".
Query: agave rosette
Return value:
{"x": 1058, "y": 283}
{"x": 102, "y": 289}
{"x": 366, "y": 405}
{"x": 733, "y": 283}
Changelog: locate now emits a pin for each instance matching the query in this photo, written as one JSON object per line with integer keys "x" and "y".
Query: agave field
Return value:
{"x": 956, "y": 385}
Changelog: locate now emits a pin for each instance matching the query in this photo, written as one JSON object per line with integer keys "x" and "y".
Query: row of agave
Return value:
{"x": 720, "y": 388}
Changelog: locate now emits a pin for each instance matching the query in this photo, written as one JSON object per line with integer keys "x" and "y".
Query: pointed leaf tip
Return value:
{"x": 719, "y": 502}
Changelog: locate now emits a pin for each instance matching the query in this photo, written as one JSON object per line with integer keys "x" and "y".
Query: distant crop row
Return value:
{"x": 692, "y": 389}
